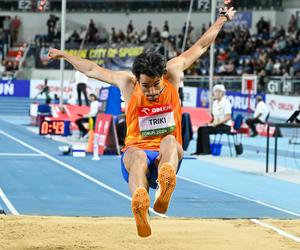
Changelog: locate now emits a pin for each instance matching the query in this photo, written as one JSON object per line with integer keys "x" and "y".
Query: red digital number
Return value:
{"x": 44, "y": 128}
{"x": 54, "y": 126}
{"x": 60, "y": 128}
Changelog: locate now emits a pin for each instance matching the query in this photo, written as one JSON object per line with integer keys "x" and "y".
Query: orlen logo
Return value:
{"x": 281, "y": 106}
{"x": 161, "y": 109}
{"x": 146, "y": 110}
{"x": 273, "y": 104}
{"x": 286, "y": 106}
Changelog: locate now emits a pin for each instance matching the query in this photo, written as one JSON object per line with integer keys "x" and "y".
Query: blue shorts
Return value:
{"x": 152, "y": 174}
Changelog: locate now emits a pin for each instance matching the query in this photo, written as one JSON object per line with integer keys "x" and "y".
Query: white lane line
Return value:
{"x": 8, "y": 203}
{"x": 277, "y": 230}
{"x": 240, "y": 196}
{"x": 99, "y": 183}
{"x": 20, "y": 154}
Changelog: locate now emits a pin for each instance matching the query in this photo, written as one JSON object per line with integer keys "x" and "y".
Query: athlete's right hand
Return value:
{"x": 55, "y": 54}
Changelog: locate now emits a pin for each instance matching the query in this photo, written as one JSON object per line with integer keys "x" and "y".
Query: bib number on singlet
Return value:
{"x": 156, "y": 120}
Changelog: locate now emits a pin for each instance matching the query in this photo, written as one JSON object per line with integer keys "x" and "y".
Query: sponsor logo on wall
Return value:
{"x": 69, "y": 89}
{"x": 282, "y": 107}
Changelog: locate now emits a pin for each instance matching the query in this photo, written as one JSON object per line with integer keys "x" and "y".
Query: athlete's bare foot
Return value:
{"x": 140, "y": 204}
{"x": 166, "y": 185}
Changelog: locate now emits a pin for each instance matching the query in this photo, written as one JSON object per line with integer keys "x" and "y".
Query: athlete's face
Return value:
{"x": 151, "y": 86}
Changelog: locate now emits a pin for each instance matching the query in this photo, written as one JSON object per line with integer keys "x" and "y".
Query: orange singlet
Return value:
{"x": 148, "y": 122}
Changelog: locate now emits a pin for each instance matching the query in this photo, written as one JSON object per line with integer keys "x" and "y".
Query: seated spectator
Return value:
{"x": 74, "y": 38}
{"x": 260, "y": 115}
{"x": 56, "y": 99}
{"x": 221, "y": 123}
{"x": 94, "y": 106}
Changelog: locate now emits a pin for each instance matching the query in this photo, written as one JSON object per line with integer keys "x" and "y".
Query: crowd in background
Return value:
{"x": 270, "y": 51}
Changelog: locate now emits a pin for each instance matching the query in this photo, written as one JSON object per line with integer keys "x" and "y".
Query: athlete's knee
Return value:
{"x": 169, "y": 140}
{"x": 138, "y": 155}
{"x": 135, "y": 158}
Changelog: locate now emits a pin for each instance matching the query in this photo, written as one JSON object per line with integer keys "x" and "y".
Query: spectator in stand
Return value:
{"x": 260, "y": 115}
{"x": 51, "y": 24}
{"x": 166, "y": 26}
{"x": 130, "y": 28}
{"x": 281, "y": 32}
{"x": 223, "y": 55}
{"x": 262, "y": 25}
{"x": 114, "y": 37}
{"x": 142, "y": 37}
{"x": 94, "y": 109}
{"x": 15, "y": 26}
{"x": 233, "y": 55}
{"x": 9, "y": 66}
{"x": 183, "y": 29}
{"x": 121, "y": 36}
{"x": 292, "y": 24}
{"x": 155, "y": 36}
{"x": 149, "y": 30}
{"x": 191, "y": 27}
{"x": 230, "y": 68}
{"x": 74, "y": 38}
{"x": 91, "y": 32}
{"x": 7, "y": 29}
{"x": 277, "y": 67}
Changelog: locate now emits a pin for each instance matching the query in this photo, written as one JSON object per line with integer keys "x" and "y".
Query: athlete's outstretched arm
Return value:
{"x": 92, "y": 70}
{"x": 187, "y": 58}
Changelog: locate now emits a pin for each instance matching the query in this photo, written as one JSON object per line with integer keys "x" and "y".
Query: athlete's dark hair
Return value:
{"x": 150, "y": 63}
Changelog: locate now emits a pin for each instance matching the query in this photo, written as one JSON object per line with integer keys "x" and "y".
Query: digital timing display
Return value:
{"x": 52, "y": 128}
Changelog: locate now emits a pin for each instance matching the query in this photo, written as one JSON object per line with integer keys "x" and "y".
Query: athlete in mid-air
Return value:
{"x": 153, "y": 151}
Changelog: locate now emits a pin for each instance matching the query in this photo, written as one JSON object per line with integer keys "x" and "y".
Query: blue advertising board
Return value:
{"x": 15, "y": 88}
{"x": 241, "y": 19}
{"x": 239, "y": 101}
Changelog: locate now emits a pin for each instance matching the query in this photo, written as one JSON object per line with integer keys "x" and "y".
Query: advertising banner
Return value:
{"x": 15, "y": 88}
{"x": 282, "y": 107}
{"x": 112, "y": 57}
{"x": 239, "y": 101}
{"x": 241, "y": 19}
{"x": 69, "y": 91}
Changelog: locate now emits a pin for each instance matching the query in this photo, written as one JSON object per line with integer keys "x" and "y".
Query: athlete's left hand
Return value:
{"x": 229, "y": 12}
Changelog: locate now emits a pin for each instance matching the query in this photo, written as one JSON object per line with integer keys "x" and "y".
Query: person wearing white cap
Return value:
{"x": 221, "y": 120}
{"x": 260, "y": 115}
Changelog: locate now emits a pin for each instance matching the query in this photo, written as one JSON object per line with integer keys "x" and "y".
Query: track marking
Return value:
{"x": 75, "y": 170}
{"x": 239, "y": 196}
{"x": 20, "y": 154}
{"x": 277, "y": 230}
{"x": 8, "y": 203}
